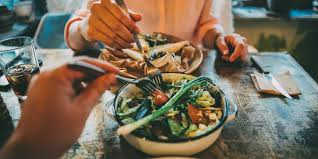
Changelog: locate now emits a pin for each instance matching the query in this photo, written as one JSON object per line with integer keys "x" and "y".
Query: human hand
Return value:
{"x": 108, "y": 23}
{"x": 53, "y": 115}
{"x": 235, "y": 41}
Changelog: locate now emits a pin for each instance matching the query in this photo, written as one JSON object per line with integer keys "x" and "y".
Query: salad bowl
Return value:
{"x": 179, "y": 147}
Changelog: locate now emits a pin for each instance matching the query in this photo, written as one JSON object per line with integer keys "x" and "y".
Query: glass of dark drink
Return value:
{"x": 19, "y": 63}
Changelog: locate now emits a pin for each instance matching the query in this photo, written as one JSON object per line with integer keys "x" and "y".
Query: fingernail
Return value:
{"x": 226, "y": 52}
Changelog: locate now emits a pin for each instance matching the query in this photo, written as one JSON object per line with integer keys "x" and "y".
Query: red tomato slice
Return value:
{"x": 195, "y": 114}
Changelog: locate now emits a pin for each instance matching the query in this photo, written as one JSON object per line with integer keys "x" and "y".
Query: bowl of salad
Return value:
{"x": 189, "y": 122}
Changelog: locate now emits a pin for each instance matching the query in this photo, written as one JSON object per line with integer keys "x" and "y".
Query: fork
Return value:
{"x": 146, "y": 85}
{"x": 92, "y": 72}
{"x": 153, "y": 72}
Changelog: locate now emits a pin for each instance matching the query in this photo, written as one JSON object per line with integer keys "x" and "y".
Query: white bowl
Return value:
{"x": 182, "y": 147}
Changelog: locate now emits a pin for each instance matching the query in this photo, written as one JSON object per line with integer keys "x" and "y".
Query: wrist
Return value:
{"x": 211, "y": 37}
{"x": 13, "y": 148}
{"x": 74, "y": 36}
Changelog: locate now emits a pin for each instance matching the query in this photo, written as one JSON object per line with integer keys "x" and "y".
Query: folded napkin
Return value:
{"x": 264, "y": 85}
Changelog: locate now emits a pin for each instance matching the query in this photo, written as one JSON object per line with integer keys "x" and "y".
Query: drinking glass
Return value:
{"x": 19, "y": 63}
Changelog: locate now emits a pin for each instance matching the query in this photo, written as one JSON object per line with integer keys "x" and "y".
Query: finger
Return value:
{"x": 90, "y": 95}
{"x": 116, "y": 26}
{"x": 65, "y": 71}
{"x": 239, "y": 50}
{"x": 99, "y": 36}
{"x": 103, "y": 28}
{"x": 226, "y": 58}
{"x": 102, "y": 64}
{"x": 244, "y": 56}
{"x": 238, "y": 43}
{"x": 33, "y": 81}
{"x": 135, "y": 16}
{"x": 222, "y": 46}
{"x": 121, "y": 15}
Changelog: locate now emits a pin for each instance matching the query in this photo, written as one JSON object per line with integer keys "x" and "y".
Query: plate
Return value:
{"x": 136, "y": 73}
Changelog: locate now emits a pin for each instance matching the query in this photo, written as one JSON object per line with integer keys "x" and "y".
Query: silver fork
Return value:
{"x": 92, "y": 72}
{"x": 146, "y": 85}
{"x": 153, "y": 72}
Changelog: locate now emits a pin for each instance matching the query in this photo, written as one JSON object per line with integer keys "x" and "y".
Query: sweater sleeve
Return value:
{"x": 206, "y": 22}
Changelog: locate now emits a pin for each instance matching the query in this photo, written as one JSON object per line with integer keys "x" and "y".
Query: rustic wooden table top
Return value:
{"x": 266, "y": 126}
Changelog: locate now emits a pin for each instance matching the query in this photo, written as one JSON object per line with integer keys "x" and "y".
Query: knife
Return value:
{"x": 123, "y": 6}
{"x": 266, "y": 72}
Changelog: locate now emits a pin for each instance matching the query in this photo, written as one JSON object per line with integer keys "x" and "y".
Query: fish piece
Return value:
{"x": 171, "y": 48}
{"x": 134, "y": 55}
{"x": 144, "y": 44}
{"x": 128, "y": 66}
{"x": 169, "y": 63}
{"x": 187, "y": 55}
{"x": 117, "y": 53}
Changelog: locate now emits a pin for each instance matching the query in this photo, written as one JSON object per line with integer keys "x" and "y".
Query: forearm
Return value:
{"x": 74, "y": 37}
{"x": 14, "y": 149}
{"x": 211, "y": 35}
{"x": 19, "y": 146}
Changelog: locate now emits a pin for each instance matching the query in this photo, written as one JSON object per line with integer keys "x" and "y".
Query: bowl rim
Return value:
{"x": 179, "y": 140}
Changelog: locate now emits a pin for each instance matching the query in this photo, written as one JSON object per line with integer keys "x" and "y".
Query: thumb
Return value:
{"x": 222, "y": 46}
{"x": 135, "y": 16}
{"x": 89, "y": 97}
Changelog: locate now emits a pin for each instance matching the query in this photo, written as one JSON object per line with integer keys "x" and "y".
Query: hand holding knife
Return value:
{"x": 123, "y": 6}
{"x": 267, "y": 73}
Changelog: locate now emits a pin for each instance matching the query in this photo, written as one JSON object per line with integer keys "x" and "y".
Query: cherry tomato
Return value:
{"x": 160, "y": 98}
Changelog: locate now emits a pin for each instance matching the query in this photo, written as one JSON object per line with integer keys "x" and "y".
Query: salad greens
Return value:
{"x": 193, "y": 109}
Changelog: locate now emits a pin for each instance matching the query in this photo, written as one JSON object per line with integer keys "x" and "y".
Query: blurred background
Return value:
{"x": 269, "y": 25}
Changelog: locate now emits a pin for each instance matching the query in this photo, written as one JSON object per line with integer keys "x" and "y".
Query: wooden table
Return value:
{"x": 266, "y": 127}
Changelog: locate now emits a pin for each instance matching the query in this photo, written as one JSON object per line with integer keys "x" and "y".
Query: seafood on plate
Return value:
{"x": 166, "y": 55}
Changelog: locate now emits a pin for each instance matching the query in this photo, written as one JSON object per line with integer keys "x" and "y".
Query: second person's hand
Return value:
{"x": 53, "y": 116}
{"x": 235, "y": 41}
{"x": 109, "y": 24}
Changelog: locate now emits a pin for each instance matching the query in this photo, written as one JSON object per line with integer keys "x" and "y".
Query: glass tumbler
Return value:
{"x": 19, "y": 63}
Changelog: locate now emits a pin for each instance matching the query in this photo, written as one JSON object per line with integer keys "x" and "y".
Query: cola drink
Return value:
{"x": 19, "y": 77}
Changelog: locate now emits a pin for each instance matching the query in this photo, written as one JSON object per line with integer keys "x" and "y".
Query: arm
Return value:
{"x": 212, "y": 35}
{"x": 51, "y": 121}
{"x": 208, "y": 27}
{"x": 102, "y": 21}
{"x": 74, "y": 37}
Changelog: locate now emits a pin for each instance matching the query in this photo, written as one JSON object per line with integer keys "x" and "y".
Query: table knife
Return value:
{"x": 123, "y": 5}
{"x": 266, "y": 72}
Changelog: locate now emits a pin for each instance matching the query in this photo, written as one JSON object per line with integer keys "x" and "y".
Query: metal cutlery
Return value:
{"x": 266, "y": 72}
{"x": 92, "y": 72}
{"x": 122, "y": 5}
{"x": 153, "y": 72}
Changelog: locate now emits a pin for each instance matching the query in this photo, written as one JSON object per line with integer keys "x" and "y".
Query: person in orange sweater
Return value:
{"x": 104, "y": 21}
